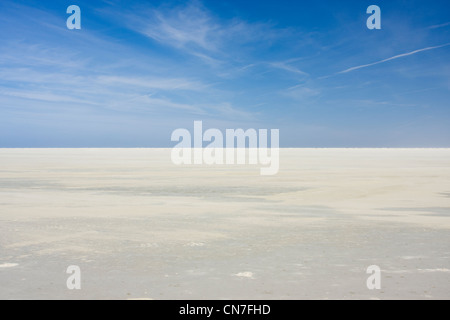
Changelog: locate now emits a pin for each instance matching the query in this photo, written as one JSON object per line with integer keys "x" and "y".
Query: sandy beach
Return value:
{"x": 140, "y": 227}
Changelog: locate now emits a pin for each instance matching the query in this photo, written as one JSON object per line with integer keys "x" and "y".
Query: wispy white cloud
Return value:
{"x": 301, "y": 92}
{"x": 179, "y": 28}
{"x": 44, "y": 96}
{"x": 226, "y": 109}
{"x": 392, "y": 58}
{"x": 72, "y": 83}
{"x": 436, "y": 26}
{"x": 285, "y": 66}
{"x": 157, "y": 83}
{"x": 193, "y": 29}
{"x": 149, "y": 103}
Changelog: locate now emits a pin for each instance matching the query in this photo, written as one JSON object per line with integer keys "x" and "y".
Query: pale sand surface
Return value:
{"x": 140, "y": 227}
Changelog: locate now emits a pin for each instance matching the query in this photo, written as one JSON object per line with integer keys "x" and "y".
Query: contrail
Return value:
{"x": 392, "y": 58}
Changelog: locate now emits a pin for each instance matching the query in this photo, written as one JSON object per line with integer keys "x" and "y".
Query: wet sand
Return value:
{"x": 140, "y": 227}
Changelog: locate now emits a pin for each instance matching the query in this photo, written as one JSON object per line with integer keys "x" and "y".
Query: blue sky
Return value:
{"x": 137, "y": 70}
